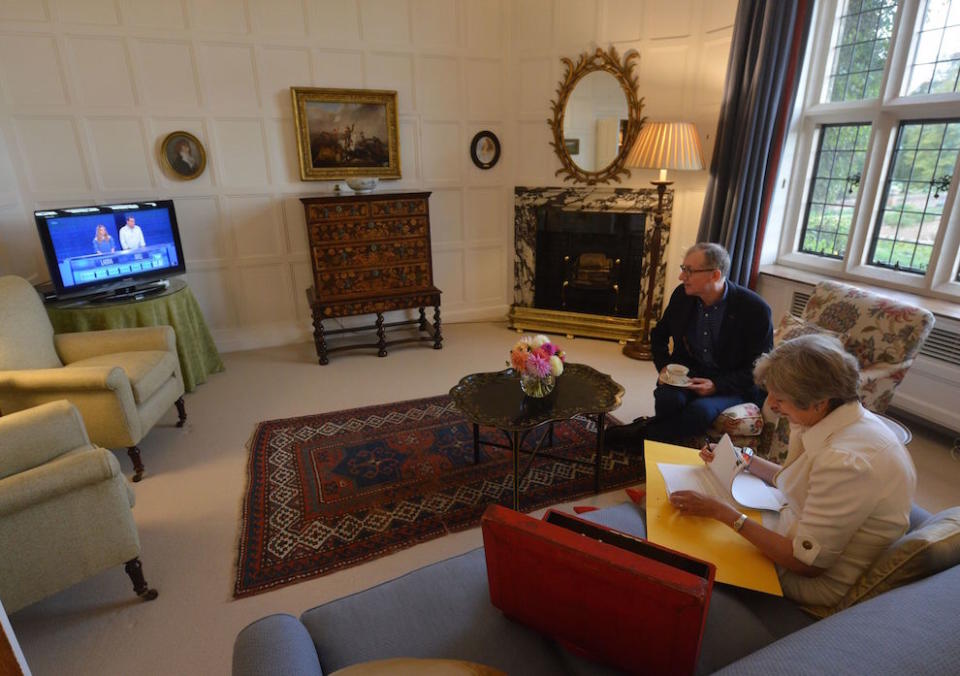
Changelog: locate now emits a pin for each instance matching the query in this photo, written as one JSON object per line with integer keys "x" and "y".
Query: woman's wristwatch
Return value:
{"x": 738, "y": 524}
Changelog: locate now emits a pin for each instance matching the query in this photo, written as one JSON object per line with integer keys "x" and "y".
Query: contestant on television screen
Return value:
{"x": 103, "y": 242}
{"x": 131, "y": 236}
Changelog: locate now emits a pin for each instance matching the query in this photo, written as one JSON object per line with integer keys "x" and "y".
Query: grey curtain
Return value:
{"x": 765, "y": 57}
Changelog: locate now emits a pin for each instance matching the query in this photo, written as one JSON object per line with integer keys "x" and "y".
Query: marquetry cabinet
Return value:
{"x": 371, "y": 254}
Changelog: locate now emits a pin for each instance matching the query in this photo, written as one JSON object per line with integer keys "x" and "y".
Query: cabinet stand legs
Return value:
{"x": 437, "y": 336}
{"x": 381, "y": 337}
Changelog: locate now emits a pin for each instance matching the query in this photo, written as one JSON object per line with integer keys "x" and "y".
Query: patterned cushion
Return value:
{"x": 933, "y": 547}
{"x": 742, "y": 419}
{"x": 410, "y": 666}
{"x": 794, "y": 327}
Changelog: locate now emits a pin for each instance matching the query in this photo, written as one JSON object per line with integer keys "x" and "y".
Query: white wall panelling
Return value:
{"x": 683, "y": 47}
{"x": 90, "y": 88}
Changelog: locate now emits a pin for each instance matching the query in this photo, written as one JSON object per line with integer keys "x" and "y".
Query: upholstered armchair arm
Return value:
{"x": 36, "y": 435}
{"x": 63, "y": 380}
{"x": 55, "y": 478}
{"x": 878, "y": 382}
{"x": 76, "y": 346}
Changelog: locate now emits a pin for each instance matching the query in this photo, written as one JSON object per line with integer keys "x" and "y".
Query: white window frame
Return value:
{"x": 884, "y": 115}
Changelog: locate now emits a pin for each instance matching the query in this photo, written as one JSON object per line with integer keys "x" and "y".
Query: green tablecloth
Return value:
{"x": 176, "y": 307}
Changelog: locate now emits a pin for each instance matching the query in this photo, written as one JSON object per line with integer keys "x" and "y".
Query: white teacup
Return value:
{"x": 677, "y": 373}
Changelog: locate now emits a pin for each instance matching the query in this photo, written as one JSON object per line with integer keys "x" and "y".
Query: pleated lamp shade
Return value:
{"x": 666, "y": 145}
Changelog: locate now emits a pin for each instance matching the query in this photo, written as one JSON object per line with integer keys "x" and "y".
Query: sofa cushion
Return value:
{"x": 411, "y": 666}
{"x": 933, "y": 547}
{"x": 440, "y": 610}
{"x": 910, "y": 630}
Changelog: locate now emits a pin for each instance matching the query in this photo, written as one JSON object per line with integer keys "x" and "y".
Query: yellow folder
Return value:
{"x": 738, "y": 562}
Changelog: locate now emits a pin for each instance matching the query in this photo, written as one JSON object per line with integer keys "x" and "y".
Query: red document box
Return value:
{"x": 612, "y": 597}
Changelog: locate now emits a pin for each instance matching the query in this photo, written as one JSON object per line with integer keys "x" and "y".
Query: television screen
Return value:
{"x": 99, "y": 248}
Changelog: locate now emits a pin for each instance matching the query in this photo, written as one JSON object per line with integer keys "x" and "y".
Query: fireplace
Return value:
{"x": 589, "y": 261}
{"x": 580, "y": 260}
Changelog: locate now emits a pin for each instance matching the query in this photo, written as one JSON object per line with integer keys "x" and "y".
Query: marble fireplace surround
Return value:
{"x": 529, "y": 204}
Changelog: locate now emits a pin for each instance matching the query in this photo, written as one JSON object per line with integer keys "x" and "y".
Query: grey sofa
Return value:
{"x": 444, "y": 610}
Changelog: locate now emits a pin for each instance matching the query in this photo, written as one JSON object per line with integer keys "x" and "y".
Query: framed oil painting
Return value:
{"x": 343, "y": 133}
{"x": 182, "y": 155}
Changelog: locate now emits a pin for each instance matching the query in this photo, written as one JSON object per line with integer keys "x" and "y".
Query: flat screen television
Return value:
{"x": 111, "y": 250}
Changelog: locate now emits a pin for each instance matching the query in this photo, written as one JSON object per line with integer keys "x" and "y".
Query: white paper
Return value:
{"x": 752, "y": 491}
{"x": 723, "y": 479}
{"x": 691, "y": 478}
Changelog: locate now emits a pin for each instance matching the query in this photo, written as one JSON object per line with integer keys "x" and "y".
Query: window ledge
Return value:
{"x": 937, "y": 306}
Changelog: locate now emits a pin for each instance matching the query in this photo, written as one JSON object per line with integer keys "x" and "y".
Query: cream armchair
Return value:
{"x": 122, "y": 380}
{"x": 65, "y": 507}
{"x": 884, "y": 334}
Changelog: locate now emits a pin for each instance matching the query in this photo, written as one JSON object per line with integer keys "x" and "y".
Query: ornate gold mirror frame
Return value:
{"x": 608, "y": 62}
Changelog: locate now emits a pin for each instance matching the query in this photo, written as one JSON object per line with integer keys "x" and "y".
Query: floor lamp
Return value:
{"x": 660, "y": 145}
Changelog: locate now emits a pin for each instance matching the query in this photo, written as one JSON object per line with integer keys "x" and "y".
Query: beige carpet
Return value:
{"x": 188, "y": 505}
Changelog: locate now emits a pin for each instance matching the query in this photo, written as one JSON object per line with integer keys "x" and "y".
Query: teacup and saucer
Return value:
{"x": 676, "y": 375}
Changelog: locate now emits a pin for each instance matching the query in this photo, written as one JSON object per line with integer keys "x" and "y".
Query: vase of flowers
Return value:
{"x": 539, "y": 363}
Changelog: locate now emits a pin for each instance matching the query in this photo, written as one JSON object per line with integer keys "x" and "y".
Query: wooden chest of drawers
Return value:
{"x": 371, "y": 254}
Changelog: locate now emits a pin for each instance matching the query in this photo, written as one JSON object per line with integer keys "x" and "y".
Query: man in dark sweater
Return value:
{"x": 718, "y": 330}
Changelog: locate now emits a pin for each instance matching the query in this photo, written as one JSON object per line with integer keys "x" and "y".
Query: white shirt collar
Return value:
{"x": 815, "y": 437}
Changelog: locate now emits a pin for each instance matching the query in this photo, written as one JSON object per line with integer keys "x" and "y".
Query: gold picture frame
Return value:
{"x": 182, "y": 155}
{"x": 340, "y": 133}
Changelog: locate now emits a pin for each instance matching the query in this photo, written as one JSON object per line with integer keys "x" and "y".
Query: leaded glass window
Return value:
{"x": 841, "y": 153}
{"x": 916, "y": 188}
{"x": 936, "y": 61}
{"x": 861, "y": 49}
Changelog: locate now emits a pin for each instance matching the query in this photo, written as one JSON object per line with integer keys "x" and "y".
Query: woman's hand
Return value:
{"x": 691, "y": 503}
{"x": 706, "y": 453}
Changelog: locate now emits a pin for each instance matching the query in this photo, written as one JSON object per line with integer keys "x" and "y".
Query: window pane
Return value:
{"x": 833, "y": 195}
{"x": 936, "y": 62}
{"x": 914, "y": 194}
{"x": 860, "y": 52}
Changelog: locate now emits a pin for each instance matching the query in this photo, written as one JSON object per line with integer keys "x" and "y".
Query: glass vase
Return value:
{"x": 536, "y": 386}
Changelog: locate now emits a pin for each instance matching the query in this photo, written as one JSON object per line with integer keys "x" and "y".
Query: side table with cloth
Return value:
{"x": 176, "y": 307}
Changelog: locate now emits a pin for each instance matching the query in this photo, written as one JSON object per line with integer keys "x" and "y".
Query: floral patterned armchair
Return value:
{"x": 883, "y": 334}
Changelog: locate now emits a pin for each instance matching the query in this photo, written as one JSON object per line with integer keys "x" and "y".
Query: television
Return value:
{"x": 111, "y": 251}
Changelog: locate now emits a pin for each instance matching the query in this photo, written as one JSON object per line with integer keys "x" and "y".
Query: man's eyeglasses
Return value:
{"x": 684, "y": 270}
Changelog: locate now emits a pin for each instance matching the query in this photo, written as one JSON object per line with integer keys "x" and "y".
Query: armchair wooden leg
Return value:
{"x": 134, "y": 454}
{"x": 135, "y": 570}
{"x": 181, "y": 412}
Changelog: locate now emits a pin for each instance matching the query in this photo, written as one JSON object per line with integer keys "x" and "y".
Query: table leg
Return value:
{"x": 476, "y": 443}
{"x": 423, "y": 320}
{"x": 515, "y": 443}
{"x": 599, "y": 459}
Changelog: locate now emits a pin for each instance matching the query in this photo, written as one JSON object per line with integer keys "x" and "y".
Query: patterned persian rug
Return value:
{"x": 333, "y": 490}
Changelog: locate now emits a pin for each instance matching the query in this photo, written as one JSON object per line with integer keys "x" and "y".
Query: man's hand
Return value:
{"x": 702, "y": 387}
{"x": 691, "y": 503}
{"x": 707, "y": 454}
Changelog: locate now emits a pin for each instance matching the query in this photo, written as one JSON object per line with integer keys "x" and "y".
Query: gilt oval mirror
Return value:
{"x": 596, "y": 117}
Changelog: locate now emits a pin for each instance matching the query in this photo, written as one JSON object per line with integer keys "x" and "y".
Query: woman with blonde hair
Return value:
{"x": 103, "y": 242}
{"x": 848, "y": 480}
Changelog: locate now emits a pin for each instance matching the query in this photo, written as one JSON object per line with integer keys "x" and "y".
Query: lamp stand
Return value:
{"x": 640, "y": 348}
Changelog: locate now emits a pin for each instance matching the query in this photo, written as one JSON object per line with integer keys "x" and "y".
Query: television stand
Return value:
{"x": 135, "y": 292}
